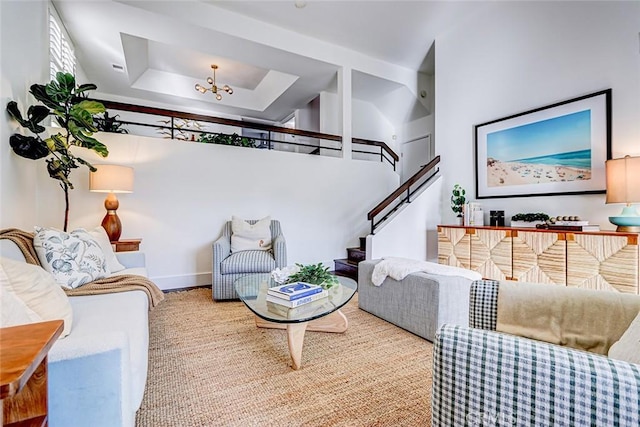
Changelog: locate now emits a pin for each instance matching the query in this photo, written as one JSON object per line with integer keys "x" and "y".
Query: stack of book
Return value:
{"x": 288, "y": 299}
{"x": 570, "y": 226}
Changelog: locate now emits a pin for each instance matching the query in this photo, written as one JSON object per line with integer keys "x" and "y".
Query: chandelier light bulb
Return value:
{"x": 214, "y": 88}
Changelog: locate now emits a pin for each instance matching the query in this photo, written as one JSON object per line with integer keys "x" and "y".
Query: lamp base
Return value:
{"x": 112, "y": 225}
{"x": 628, "y": 229}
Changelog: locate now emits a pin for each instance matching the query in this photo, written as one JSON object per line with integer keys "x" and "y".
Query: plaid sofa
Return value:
{"x": 485, "y": 378}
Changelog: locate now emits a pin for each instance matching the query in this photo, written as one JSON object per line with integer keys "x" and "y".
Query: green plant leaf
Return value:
{"x": 87, "y": 164}
{"x": 66, "y": 82}
{"x": 57, "y": 143}
{"x": 85, "y": 87}
{"x": 28, "y": 147}
{"x": 85, "y": 141}
{"x": 39, "y": 92}
{"x": 58, "y": 171}
{"x": 82, "y": 117}
{"x": 92, "y": 107}
{"x": 14, "y": 112}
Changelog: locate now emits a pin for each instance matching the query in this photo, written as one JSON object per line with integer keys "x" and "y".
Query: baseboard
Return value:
{"x": 182, "y": 281}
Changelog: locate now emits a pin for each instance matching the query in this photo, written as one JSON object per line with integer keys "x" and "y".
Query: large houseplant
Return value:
{"x": 74, "y": 113}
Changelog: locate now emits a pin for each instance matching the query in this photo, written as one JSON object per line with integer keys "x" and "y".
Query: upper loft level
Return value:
{"x": 171, "y": 124}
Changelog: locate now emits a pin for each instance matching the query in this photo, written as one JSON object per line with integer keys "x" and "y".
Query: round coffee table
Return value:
{"x": 323, "y": 315}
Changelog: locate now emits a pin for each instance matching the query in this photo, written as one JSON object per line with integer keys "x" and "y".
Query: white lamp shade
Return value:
{"x": 111, "y": 179}
{"x": 623, "y": 180}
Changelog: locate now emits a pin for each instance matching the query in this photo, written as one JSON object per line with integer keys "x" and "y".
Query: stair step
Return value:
{"x": 363, "y": 243}
{"x": 344, "y": 267}
{"x": 356, "y": 254}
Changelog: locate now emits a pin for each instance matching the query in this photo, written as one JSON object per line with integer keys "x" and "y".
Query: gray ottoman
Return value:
{"x": 420, "y": 303}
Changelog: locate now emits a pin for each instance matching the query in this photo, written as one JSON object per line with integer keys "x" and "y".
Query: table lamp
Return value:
{"x": 111, "y": 179}
{"x": 623, "y": 186}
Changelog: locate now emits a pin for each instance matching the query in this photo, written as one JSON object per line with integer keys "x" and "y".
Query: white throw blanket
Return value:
{"x": 399, "y": 268}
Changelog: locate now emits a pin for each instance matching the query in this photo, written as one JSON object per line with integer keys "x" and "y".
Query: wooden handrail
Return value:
{"x": 381, "y": 144}
{"x": 114, "y": 105}
{"x": 202, "y": 118}
{"x": 403, "y": 188}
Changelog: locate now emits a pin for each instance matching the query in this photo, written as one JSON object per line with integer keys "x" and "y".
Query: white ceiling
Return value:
{"x": 166, "y": 47}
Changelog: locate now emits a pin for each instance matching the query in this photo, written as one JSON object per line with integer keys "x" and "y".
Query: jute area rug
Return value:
{"x": 210, "y": 366}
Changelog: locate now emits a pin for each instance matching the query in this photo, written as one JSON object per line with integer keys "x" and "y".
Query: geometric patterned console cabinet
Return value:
{"x": 591, "y": 260}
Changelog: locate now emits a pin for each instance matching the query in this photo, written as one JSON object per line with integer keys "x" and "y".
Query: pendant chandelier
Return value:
{"x": 214, "y": 88}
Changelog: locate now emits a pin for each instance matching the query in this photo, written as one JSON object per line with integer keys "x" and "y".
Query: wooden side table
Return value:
{"x": 23, "y": 372}
{"x": 126, "y": 245}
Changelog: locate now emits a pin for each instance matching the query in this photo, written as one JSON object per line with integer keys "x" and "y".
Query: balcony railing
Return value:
{"x": 159, "y": 122}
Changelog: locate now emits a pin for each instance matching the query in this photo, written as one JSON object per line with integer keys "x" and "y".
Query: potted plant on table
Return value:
{"x": 316, "y": 274}
{"x": 457, "y": 202}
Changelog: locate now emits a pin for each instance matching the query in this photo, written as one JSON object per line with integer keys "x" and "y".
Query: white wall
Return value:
{"x": 308, "y": 117}
{"x": 517, "y": 56}
{"x": 184, "y": 192}
{"x": 24, "y": 60}
{"x": 367, "y": 121}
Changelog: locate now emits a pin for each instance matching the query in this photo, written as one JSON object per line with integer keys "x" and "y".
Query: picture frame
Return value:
{"x": 558, "y": 149}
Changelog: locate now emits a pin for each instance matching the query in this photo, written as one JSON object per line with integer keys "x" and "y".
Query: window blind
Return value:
{"x": 61, "y": 55}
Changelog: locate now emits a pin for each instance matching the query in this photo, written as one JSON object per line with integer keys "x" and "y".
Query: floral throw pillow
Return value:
{"x": 73, "y": 258}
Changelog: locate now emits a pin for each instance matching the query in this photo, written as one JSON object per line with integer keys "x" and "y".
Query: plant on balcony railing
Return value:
{"x": 180, "y": 129}
{"x": 225, "y": 139}
{"x": 108, "y": 123}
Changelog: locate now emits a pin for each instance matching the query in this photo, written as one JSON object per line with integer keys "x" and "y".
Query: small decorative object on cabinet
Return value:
{"x": 496, "y": 218}
{"x": 528, "y": 220}
{"x": 457, "y": 202}
{"x": 126, "y": 245}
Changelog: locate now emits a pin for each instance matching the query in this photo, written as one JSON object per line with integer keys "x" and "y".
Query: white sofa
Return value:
{"x": 97, "y": 374}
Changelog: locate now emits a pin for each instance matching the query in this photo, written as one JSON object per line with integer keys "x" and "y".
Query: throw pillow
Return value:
{"x": 73, "y": 258}
{"x": 245, "y": 236}
{"x": 13, "y": 311}
{"x": 37, "y": 289}
{"x": 627, "y": 348}
{"x": 100, "y": 236}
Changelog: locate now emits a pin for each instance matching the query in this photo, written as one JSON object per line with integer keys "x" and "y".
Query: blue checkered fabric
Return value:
{"x": 483, "y": 304}
{"x": 228, "y": 267}
{"x": 485, "y": 378}
{"x": 488, "y": 378}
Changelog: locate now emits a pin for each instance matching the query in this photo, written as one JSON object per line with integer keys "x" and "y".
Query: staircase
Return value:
{"x": 349, "y": 266}
{"x": 383, "y": 212}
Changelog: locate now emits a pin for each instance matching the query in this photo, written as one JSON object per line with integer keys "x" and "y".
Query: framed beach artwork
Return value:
{"x": 557, "y": 149}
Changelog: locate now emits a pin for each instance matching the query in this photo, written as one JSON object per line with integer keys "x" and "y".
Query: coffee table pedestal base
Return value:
{"x": 335, "y": 322}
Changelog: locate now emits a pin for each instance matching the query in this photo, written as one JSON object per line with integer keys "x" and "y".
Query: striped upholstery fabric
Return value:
{"x": 482, "y": 377}
{"x": 228, "y": 267}
{"x": 248, "y": 262}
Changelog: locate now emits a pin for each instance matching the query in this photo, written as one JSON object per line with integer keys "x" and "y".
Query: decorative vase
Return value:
{"x": 460, "y": 220}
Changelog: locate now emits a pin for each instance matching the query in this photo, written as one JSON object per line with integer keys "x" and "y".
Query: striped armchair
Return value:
{"x": 228, "y": 267}
{"x": 482, "y": 377}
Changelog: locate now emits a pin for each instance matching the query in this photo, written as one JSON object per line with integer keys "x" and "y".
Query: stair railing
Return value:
{"x": 309, "y": 142}
{"x": 402, "y": 194}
